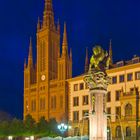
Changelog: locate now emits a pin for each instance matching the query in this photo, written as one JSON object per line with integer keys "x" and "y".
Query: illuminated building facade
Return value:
{"x": 123, "y": 100}
{"x": 45, "y": 86}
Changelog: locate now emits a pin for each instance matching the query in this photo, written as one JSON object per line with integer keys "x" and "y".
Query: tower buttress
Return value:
{"x": 110, "y": 52}
{"x": 86, "y": 61}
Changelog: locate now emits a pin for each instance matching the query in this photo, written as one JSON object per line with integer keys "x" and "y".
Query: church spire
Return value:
{"x": 65, "y": 43}
{"x": 25, "y": 65}
{"x": 110, "y": 52}
{"x": 58, "y": 26}
{"x": 30, "y": 56}
{"x": 71, "y": 53}
{"x": 48, "y": 18}
{"x": 38, "y": 24}
{"x": 86, "y": 61}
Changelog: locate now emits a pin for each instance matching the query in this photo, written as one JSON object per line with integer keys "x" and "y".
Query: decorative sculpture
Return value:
{"x": 98, "y": 81}
{"x": 99, "y": 60}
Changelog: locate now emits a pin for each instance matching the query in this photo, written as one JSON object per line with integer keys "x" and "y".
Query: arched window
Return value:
{"x": 128, "y": 132}
{"x": 118, "y": 131}
{"x": 128, "y": 110}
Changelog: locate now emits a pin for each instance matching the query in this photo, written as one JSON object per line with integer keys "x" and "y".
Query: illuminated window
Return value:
{"x": 118, "y": 112}
{"x": 137, "y": 75}
{"x": 128, "y": 132}
{"x": 118, "y": 132}
{"x": 85, "y": 100}
{"x": 114, "y": 80}
{"x": 75, "y": 87}
{"x": 128, "y": 110}
{"x": 129, "y": 77}
{"x": 76, "y": 116}
{"x": 108, "y": 97}
{"x": 75, "y": 101}
{"x": 33, "y": 105}
{"x": 121, "y": 78}
{"x": 118, "y": 93}
{"x": 85, "y": 113}
{"x": 42, "y": 104}
{"x": 53, "y": 102}
{"x": 108, "y": 110}
{"x": 81, "y": 86}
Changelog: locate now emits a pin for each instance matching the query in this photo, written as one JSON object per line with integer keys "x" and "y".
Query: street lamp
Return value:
{"x": 10, "y": 137}
{"x": 62, "y": 128}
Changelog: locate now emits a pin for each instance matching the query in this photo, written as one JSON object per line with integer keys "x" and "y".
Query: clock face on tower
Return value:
{"x": 43, "y": 77}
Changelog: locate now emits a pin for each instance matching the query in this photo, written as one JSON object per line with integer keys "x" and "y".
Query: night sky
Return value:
{"x": 89, "y": 22}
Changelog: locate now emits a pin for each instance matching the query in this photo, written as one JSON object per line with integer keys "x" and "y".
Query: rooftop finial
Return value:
{"x": 86, "y": 61}
{"x": 110, "y": 52}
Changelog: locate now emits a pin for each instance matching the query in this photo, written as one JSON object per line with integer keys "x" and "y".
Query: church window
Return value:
{"x": 61, "y": 101}
{"x": 128, "y": 132}
{"x": 42, "y": 104}
{"x": 128, "y": 110}
{"x": 53, "y": 102}
{"x": 42, "y": 56}
{"x": 118, "y": 131}
{"x": 33, "y": 105}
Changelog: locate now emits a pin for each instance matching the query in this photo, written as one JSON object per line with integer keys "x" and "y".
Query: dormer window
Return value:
{"x": 135, "y": 60}
{"x": 120, "y": 64}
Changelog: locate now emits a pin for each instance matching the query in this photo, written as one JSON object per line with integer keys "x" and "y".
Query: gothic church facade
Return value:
{"x": 45, "y": 82}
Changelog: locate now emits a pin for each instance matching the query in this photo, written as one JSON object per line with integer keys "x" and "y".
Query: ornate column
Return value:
{"x": 97, "y": 81}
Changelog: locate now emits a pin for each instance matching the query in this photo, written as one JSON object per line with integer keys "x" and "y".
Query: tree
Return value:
{"x": 4, "y": 128}
{"x": 42, "y": 126}
{"x": 29, "y": 125}
{"x": 16, "y": 128}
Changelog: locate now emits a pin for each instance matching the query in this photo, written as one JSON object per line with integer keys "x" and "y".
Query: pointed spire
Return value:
{"x": 58, "y": 26}
{"x": 71, "y": 53}
{"x": 110, "y": 52}
{"x": 65, "y": 43}
{"x": 86, "y": 61}
{"x": 38, "y": 24}
{"x": 48, "y": 18}
{"x": 25, "y": 65}
{"x": 30, "y": 56}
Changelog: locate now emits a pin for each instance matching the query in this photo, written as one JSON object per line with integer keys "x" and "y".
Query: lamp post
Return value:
{"x": 62, "y": 128}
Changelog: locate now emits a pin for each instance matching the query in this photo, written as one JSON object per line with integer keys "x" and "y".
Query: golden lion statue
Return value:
{"x": 100, "y": 59}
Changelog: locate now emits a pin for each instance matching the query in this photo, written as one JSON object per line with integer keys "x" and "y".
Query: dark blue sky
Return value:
{"x": 89, "y": 22}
